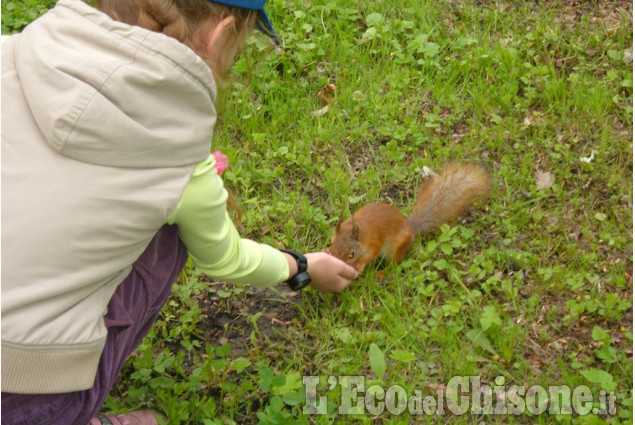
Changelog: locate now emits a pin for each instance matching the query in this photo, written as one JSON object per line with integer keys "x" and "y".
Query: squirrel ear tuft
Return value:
{"x": 355, "y": 232}
{"x": 340, "y": 220}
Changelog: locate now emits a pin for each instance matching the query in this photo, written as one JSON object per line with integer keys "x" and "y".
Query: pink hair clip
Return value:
{"x": 222, "y": 162}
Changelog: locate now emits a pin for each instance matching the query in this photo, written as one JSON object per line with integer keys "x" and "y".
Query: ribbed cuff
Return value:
{"x": 49, "y": 369}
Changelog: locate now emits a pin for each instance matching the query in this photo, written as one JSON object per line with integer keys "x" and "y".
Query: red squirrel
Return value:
{"x": 380, "y": 230}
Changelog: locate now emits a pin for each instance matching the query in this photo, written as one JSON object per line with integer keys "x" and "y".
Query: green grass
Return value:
{"x": 534, "y": 286}
{"x": 17, "y": 14}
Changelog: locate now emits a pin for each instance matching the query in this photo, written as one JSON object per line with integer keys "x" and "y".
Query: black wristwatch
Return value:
{"x": 302, "y": 278}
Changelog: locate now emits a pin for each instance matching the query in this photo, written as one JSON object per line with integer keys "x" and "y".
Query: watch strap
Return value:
{"x": 301, "y": 278}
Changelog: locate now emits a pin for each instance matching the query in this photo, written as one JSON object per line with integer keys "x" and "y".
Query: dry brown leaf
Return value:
{"x": 544, "y": 179}
{"x": 320, "y": 112}
{"x": 327, "y": 94}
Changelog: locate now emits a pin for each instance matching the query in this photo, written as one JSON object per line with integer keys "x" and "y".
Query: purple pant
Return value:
{"x": 132, "y": 310}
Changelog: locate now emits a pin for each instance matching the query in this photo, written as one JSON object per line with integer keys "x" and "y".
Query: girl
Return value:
{"x": 107, "y": 185}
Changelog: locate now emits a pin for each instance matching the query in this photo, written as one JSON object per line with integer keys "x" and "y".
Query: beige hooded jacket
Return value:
{"x": 102, "y": 126}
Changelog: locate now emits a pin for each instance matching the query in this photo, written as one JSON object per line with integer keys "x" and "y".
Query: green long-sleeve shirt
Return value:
{"x": 212, "y": 239}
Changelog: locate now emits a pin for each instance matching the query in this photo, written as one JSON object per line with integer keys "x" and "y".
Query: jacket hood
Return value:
{"x": 108, "y": 93}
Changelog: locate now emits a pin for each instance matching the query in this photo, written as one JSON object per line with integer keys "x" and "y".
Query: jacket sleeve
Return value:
{"x": 212, "y": 239}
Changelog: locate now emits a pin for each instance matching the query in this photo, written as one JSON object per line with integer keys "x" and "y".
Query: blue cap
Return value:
{"x": 263, "y": 24}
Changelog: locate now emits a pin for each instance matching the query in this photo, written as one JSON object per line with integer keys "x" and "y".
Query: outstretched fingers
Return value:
{"x": 329, "y": 274}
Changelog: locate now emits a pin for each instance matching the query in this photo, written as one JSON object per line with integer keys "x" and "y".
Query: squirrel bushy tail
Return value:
{"x": 444, "y": 196}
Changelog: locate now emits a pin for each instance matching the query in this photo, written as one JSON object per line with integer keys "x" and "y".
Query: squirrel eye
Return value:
{"x": 352, "y": 254}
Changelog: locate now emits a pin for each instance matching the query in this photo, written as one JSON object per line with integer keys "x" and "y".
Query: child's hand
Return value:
{"x": 329, "y": 274}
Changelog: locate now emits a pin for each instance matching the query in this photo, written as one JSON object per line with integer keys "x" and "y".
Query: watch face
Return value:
{"x": 302, "y": 278}
{"x": 299, "y": 281}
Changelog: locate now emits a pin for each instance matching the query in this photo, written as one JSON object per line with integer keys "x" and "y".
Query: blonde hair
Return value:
{"x": 181, "y": 20}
